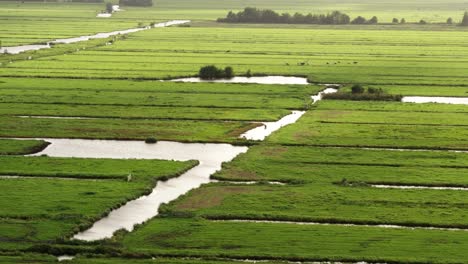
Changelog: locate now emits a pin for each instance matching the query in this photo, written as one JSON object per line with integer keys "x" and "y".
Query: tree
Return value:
{"x": 109, "y": 8}
{"x": 422, "y": 22}
{"x": 395, "y": 21}
{"x": 357, "y": 89}
{"x": 449, "y": 21}
{"x": 359, "y": 20}
{"x": 208, "y": 72}
{"x": 373, "y": 20}
{"x": 229, "y": 72}
{"x": 465, "y": 20}
{"x": 403, "y": 21}
{"x": 212, "y": 72}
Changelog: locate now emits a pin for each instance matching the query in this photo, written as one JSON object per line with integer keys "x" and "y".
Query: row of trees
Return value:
{"x": 267, "y": 16}
{"x": 254, "y": 15}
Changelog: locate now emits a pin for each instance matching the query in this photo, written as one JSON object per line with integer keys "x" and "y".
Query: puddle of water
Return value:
{"x": 58, "y": 117}
{"x": 6, "y": 177}
{"x": 405, "y": 187}
{"x": 319, "y": 96}
{"x": 65, "y": 258}
{"x": 105, "y": 15}
{"x": 261, "y": 132}
{"x": 210, "y": 156}
{"x": 258, "y": 80}
{"x": 338, "y": 224}
{"x": 249, "y": 182}
{"x": 440, "y": 100}
{"x": 19, "y": 49}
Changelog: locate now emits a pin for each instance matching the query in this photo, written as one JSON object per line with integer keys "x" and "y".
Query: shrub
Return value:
{"x": 359, "y": 20}
{"x": 372, "y": 90}
{"x": 151, "y": 140}
{"x": 422, "y": 22}
{"x": 403, "y": 21}
{"x": 449, "y": 21}
{"x": 208, "y": 72}
{"x": 212, "y": 72}
{"x": 357, "y": 89}
{"x": 229, "y": 72}
{"x": 395, "y": 21}
{"x": 374, "y": 20}
{"x": 248, "y": 74}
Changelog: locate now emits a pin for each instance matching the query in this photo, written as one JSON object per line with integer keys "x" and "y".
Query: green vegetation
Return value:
{"x": 21, "y": 147}
{"x": 211, "y": 72}
{"x": 62, "y": 206}
{"x": 359, "y": 93}
{"x": 386, "y": 129}
{"x": 320, "y": 172}
{"x": 254, "y": 15}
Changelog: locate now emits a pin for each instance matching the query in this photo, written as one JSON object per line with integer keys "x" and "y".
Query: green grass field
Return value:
{"x": 327, "y": 207}
{"x": 55, "y": 197}
{"x": 21, "y": 147}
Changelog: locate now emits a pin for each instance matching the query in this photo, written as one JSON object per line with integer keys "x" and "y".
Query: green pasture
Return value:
{"x": 69, "y": 194}
{"x": 395, "y": 60}
{"x": 21, "y": 147}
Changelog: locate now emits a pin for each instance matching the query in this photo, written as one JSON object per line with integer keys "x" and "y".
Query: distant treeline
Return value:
{"x": 254, "y": 15}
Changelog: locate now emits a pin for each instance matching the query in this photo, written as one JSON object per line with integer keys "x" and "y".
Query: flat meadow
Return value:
{"x": 350, "y": 181}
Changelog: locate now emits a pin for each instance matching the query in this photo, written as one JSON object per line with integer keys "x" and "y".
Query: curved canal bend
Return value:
{"x": 210, "y": 157}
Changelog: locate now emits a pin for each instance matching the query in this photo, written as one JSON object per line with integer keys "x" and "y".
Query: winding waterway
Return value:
{"x": 23, "y": 48}
{"x": 210, "y": 157}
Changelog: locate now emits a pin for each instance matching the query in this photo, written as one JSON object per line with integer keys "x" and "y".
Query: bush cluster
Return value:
{"x": 254, "y": 15}
{"x": 212, "y": 72}
{"x": 359, "y": 93}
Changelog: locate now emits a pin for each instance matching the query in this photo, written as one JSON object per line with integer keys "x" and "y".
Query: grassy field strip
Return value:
{"x": 368, "y": 58}
{"x": 359, "y": 128}
{"x": 369, "y": 106}
{"x": 69, "y": 194}
{"x": 125, "y": 129}
{"x": 21, "y": 147}
{"x": 7, "y": 177}
{"x": 298, "y": 243}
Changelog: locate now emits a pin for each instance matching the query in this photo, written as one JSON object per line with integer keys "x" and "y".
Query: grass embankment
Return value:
{"x": 21, "y": 147}
{"x": 61, "y": 206}
{"x": 176, "y": 236}
{"x": 385, "y": 129}
{"x": 314, "y": 192}
{"x": 187, "y": 112}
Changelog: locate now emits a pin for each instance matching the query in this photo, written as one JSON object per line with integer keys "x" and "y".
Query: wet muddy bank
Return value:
{"x": 338, "y": 222}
